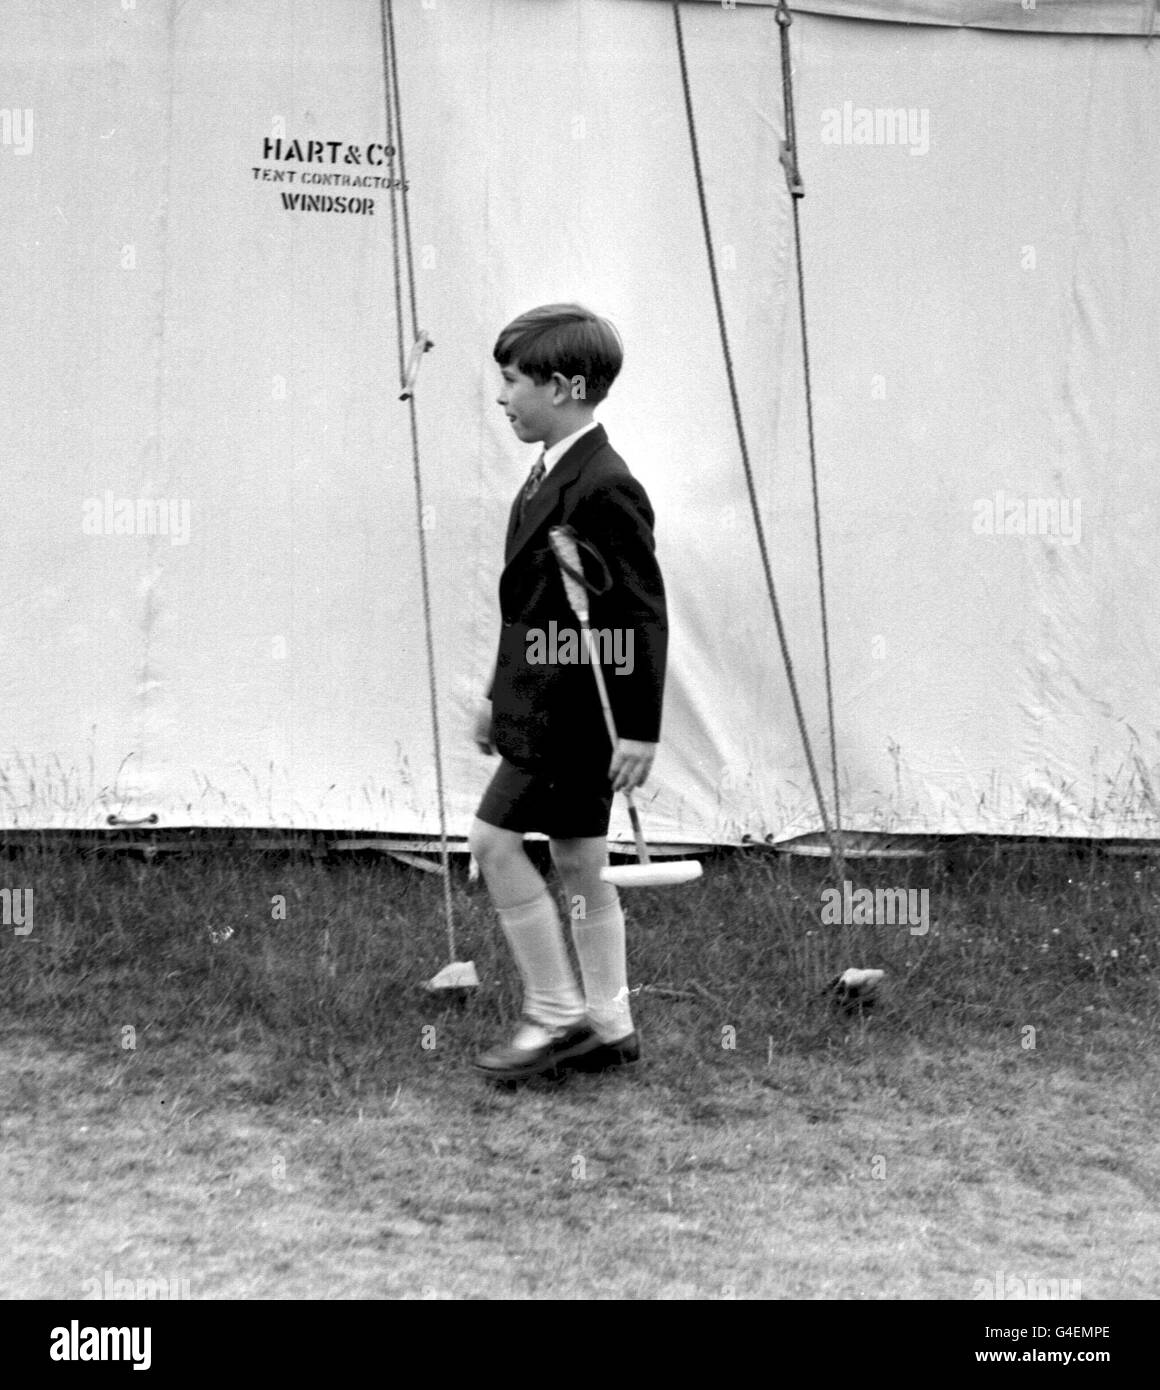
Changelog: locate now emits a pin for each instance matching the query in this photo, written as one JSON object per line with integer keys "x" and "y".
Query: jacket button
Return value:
{"x": 507, "y": 622}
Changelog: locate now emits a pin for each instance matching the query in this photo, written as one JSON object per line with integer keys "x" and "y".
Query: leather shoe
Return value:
{"x": 509, "y": 1062}
{"x": 606, "y": 1055}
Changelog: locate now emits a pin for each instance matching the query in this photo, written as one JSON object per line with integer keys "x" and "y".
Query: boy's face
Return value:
{"x": 527, "y": 405}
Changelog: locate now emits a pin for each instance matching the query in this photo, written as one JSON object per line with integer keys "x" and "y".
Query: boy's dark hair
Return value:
{"x": 565, "y": 338}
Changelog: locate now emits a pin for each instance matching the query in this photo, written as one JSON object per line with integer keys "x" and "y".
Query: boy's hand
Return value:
{"x": 631, "y": 764}
{"x": 481, "y": 728}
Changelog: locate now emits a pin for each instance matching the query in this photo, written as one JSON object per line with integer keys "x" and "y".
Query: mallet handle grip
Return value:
{"x": 567, "y": 555}
{"x": 594, "y": 662}
{"x": 566, "y": 552}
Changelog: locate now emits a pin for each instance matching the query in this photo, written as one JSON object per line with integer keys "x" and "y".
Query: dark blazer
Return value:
{"x": 547, "y": 715}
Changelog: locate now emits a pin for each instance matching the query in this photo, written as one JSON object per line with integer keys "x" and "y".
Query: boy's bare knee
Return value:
{"x": 575, "y": 859}
{"x": 482, "y": 841}
{"x": 490, "y": 845}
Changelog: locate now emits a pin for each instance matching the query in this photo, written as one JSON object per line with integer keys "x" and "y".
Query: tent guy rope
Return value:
{"x": 457, "y": 973}
{"x": 797, "y": 190}
{"x": 831, "y": 831}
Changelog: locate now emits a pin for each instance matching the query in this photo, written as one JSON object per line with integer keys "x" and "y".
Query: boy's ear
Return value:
{"x": 561, "y": 388}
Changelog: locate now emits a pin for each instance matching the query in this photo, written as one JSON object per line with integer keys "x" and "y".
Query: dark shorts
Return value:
{"x": 563, "y": 807}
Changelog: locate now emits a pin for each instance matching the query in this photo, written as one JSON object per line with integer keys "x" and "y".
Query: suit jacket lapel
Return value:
{"x": 566, "y": 471}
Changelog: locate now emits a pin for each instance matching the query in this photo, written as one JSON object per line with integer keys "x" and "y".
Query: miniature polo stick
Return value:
{"x": 646, "y": 873}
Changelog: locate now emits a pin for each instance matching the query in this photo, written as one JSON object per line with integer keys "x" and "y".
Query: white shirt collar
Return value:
{"x": 553, "y": 455}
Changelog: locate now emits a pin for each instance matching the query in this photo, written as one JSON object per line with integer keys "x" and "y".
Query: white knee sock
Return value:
{"x": 533, "y": 932}
{"x": 599, "y": 940}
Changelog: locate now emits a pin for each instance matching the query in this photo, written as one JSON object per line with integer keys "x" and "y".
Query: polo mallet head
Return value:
{"x": 652, "y": 874}
{"x": 648, "y": 873}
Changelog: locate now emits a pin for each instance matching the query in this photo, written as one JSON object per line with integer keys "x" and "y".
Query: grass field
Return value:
{"x": 219, "y": 1074}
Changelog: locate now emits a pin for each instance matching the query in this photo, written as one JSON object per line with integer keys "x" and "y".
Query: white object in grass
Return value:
{"x": 857, "y": 984}
{"x": 460, "y": 974}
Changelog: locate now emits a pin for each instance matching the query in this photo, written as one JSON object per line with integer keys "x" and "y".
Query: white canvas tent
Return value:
{"x": 984, "y": 327}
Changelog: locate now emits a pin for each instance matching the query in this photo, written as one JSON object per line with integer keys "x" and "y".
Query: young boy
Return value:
{"x": 559, "y": 771}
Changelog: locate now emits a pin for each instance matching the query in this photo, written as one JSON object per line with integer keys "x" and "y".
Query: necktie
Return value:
{"x": 532, "y": 486}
